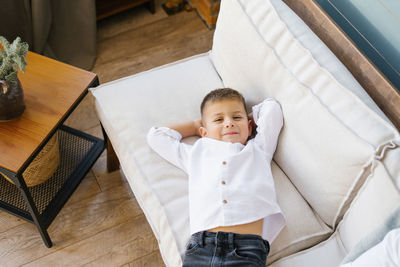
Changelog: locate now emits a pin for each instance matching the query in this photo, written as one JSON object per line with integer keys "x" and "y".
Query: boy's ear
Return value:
{"x": 251, "y": 124}
{"x": 203, "y": 131}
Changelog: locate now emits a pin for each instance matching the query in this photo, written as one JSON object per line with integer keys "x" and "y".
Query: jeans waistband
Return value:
{"x": 228, "y": 238}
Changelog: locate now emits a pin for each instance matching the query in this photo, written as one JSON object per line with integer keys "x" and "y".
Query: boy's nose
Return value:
{"x": 229, "y": 124}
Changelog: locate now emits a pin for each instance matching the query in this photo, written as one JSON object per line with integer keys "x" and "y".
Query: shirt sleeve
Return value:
{"x": 269, "y": 120}
{"x": 167, "y": 143}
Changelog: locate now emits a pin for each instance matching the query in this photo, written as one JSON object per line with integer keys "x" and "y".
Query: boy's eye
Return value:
{"x": 237, "y": 117}
{"x": 218, "y": 120}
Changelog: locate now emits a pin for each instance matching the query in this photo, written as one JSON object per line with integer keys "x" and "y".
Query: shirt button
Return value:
{"x": 223, "y": 182}
{"x": 224, "y": 162}
{"x": 224, "y": 201}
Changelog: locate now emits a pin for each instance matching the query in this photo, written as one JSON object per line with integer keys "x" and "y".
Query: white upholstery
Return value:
{"x": 321, "y": 53}
{"x": 304, "y": 228}
{"x": 326, "y": 254}
{"x": 376, "y": 201}
{"x": 332, "y": 143}
{"x": 392, "y": 162}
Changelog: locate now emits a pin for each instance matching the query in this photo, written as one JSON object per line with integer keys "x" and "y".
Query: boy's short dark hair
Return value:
{"x": 222, "y": 94}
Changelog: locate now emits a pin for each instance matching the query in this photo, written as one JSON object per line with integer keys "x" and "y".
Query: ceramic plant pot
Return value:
{"x": 12, "y": 102}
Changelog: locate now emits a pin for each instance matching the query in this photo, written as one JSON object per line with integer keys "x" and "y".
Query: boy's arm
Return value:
{"x": 167, "y": 143}
{"x": 269, "y": 120}
{"x": 188, "y": 128}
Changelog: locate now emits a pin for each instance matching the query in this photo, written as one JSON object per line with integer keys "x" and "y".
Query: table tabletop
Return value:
{"x": 51, "y": 90}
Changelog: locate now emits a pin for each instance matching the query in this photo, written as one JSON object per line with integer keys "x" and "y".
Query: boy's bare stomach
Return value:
{"x": 254, "y": 228}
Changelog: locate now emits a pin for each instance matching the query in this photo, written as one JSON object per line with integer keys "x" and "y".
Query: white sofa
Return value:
{"x": 336, "y": 167}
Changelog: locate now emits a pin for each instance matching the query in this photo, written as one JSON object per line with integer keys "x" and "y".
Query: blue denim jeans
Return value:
{"x": 225, "y": 249}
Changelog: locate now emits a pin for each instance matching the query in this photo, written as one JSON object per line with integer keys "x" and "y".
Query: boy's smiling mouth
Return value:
{"x": 230, "y": 133}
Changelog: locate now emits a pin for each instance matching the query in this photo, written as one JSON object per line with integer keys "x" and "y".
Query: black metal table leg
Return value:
{"x": 20, "y": 183}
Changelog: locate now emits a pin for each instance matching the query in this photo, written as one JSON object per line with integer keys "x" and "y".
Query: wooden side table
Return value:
{"x": 52, "y": 90}
{"x": 208, "y": 10}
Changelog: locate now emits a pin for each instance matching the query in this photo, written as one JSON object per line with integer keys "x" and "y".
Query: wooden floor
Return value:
{"x": 102, "y": 224}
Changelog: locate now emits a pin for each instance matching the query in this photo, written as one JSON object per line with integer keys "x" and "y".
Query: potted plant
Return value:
{"x": 12, "y": 59}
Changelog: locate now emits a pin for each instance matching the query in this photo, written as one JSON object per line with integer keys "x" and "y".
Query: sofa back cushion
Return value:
{"x": 329, "y": 136}
{"x": 322, "y": 54}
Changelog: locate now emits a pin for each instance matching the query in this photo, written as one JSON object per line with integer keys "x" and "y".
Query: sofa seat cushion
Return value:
{"x": 159, "y": 187}
{"x": 303, "y": 227}
{"x": 327, "y": 254}
{"x": 330, "y": 136}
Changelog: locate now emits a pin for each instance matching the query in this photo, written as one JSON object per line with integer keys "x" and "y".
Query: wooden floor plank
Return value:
{"x": 109, "y": 180}
{"x": 154, "y": 34}
{"x": 87, "y": 188}
{"x": 162, "y": 40}
{"x": 84, "y": 116}
{"x": 128, "y": 20}
{"x": 124, "y": 242}
{"x": 131, "y": 64}
{"x": 8, "y": 221}
{"x": 76, "y": 221}
{"x": 150, "y": 260}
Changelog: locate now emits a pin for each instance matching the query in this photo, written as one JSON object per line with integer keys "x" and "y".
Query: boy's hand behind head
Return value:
{"x": 250, "y": 116}
{"x": 197, "y": 125}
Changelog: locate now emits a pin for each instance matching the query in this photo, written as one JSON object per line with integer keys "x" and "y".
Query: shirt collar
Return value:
{"x": 222, "y": 145}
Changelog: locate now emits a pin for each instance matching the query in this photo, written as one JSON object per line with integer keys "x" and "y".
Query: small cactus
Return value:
{"x": 12, "y": 58}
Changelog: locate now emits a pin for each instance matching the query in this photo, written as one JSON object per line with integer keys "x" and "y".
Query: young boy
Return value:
{"x": 232, "y": 202}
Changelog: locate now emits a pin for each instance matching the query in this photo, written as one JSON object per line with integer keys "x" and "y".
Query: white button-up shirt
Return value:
{"x": 229, "y": 183}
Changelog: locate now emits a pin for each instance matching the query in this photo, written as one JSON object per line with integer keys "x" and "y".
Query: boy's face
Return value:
{"x": 226, "y": 120}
